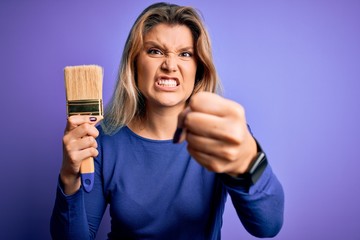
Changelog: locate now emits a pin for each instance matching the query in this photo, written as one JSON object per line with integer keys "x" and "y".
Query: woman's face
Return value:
{"x": 166, "y": 66}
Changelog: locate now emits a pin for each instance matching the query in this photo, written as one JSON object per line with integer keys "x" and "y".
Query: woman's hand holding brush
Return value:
{"x": 79, "y": 144}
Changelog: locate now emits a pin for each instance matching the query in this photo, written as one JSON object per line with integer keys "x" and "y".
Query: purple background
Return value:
{"x": 294, "y": 65}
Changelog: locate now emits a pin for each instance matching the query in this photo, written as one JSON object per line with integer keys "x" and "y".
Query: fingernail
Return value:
{"x": 177, "y": 135}
{"x": 93, "y": 119}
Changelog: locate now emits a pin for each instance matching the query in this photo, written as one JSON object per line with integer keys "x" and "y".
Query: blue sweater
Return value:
{"x": 156, "y": 190}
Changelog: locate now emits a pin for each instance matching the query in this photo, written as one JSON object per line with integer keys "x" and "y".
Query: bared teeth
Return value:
{"x": 167, "y": 83}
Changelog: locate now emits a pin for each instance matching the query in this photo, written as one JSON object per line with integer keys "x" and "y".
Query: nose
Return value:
{"x": 169, "y": 64}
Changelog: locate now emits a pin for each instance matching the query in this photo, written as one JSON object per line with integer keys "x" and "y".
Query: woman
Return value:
{"x": 157, "y": 189}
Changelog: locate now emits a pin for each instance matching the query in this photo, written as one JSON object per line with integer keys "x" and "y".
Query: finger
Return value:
{"x": 78, "y": 156}
{"x": 218, "y": 164}
{"x": 77, "y": 120}
{"x": 214, "y": 104}
{"x": 80, "y": 132}
{"x": 87, "y": 142}
{"x": 212, "y": 126}
{"x": 227, "y": 152}
{"x": 86, "y": 129}
{"x": 79, "y": 150}
{"x": 81, "y": 137}
{"x": 81, "y": 144}
{"x": 210, "y": 162}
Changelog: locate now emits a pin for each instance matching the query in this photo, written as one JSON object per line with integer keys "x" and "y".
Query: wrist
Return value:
{"x": 255, "y": 168}
{"x": 70, "y": 182}
{"x": 246, "y": 160}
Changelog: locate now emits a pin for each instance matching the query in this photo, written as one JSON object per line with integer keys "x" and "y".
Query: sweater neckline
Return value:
{"x": 126, "y": 128}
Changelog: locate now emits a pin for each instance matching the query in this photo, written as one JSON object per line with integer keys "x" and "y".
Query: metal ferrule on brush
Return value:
{"x": 84, "y": 107}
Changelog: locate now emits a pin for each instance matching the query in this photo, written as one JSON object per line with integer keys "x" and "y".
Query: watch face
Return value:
{"x": 258, "y": 167}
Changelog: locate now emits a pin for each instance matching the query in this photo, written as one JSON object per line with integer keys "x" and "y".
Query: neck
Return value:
{"x": 159, "y": 124}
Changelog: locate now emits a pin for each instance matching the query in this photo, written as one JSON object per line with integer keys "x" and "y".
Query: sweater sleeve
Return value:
{"x": 79, "y": 215}
{"x": 260, "y": 207}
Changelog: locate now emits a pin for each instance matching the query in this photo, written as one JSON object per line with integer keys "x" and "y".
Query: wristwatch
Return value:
{"x": 254, "y": 172}
{"x": 256, "y": 169}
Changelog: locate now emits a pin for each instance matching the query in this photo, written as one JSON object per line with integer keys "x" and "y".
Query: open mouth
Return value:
{"x": 167, "y": 83}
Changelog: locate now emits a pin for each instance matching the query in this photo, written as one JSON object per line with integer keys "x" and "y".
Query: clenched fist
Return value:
{"x": 217, "y": 134}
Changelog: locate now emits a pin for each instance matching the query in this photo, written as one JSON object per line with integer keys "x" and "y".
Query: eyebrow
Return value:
{"x": 158, "y": 45}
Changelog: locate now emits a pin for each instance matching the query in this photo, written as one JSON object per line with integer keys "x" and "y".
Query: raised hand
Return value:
{"x": 217, "y": 134}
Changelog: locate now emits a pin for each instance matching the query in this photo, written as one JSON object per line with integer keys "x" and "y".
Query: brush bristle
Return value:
{"x": 83, "y": 82}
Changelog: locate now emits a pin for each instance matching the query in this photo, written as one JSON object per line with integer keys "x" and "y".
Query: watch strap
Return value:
{"x": 254, "y": 172}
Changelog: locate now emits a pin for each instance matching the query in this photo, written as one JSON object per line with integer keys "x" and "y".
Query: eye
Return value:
{"x": 154, "y": 51}
{"x": 186, "y": 54}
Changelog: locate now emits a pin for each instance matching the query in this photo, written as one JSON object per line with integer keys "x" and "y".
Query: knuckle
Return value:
{"x": 192, "y": 102}
{"x": 71, "y": 120}
{"x": 94, "y": 152}
{"x": 90, "y": 130}
{"x": 229, "y": 154}
{"x": 96, "y": 132}
{"x": 196, "y": 99}
{"x": 232, "y": 136}
{"x": 92, "y": 142}
{"x": 216, "y": 167}
{"x": 239, "y": 110}
{"x": 72, "y": 157}
{"x": 67, "y": 148}
{"x": 65, "y": 139}
{"x": 86, "y": 127}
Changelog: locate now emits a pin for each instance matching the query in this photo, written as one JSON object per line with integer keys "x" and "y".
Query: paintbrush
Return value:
{"x": 84, "y": 97}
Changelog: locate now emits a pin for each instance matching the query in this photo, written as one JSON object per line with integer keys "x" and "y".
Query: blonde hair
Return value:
{"x": 127, "y": 102}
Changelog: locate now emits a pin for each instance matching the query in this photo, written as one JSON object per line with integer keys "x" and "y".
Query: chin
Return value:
{"x": 171, "y": 103}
